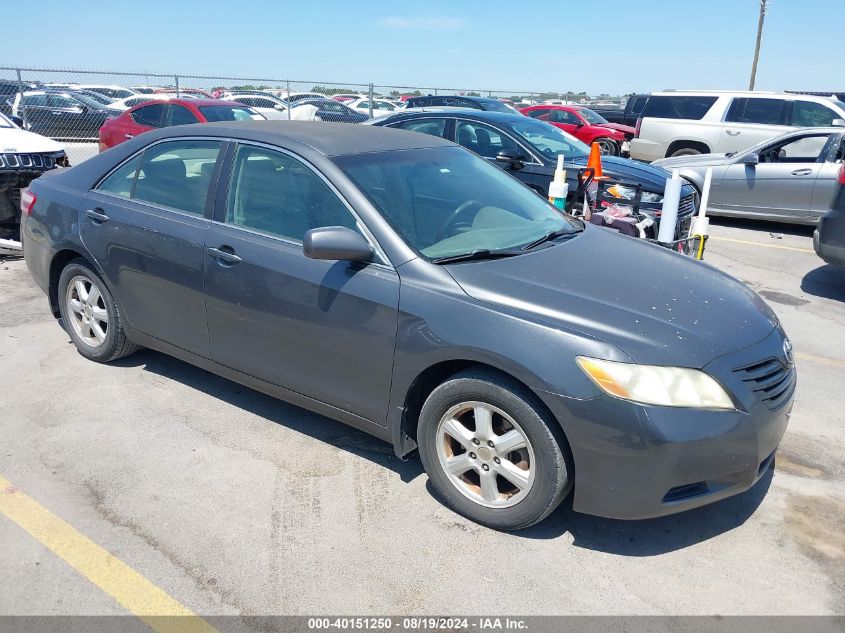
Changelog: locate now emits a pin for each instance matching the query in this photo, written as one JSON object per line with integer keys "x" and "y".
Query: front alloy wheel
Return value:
{"x": 486, "y": 454}
{"x": 86, "y": 308}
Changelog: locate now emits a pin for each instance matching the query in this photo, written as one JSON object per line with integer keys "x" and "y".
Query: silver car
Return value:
{"x": 789, "y": 178}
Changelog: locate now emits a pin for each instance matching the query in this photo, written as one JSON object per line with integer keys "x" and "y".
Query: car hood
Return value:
{"x": 650, "y": 177}
{"x": 15, "y": 140}
{"x": 697, "y": 160}
{"x": 626, "y": 129}
{"x": 656, "y": 306}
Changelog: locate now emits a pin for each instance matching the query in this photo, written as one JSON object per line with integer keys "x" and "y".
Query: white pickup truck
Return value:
{"x": 23, "y": 157}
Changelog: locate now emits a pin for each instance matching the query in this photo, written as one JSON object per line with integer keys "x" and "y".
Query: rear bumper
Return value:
{"x": 642, "y": 149}
{"x": 636, "y": 461}
{"x": 829, "y": 238}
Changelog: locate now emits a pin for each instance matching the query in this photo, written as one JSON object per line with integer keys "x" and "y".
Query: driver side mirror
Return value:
{"x": 512, "y": 158}
{"x": 752, "y": 159}
{"x": 336, "y": 242}
{"x": 838, "y": 123}
{"x": 17, "y": 120}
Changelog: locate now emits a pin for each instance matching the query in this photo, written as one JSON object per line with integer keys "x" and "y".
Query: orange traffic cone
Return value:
{"x": 594, "y": 162}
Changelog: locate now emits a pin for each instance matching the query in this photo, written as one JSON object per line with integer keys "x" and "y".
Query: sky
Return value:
{"x": 605, "y": 46}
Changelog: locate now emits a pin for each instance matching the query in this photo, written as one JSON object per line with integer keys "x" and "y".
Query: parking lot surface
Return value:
{"x": 232, "y": 502}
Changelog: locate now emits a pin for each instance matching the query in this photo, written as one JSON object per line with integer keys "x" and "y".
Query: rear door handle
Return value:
{"x": 96, "y": 216}
{"x": 733, "y": 132}
{"x": 802, "y": 172}
{"x": 224, "y": 256}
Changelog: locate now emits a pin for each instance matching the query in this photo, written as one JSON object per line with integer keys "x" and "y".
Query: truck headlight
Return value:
{"x": 628, "y": 193}
{"x": 654, "y": 384}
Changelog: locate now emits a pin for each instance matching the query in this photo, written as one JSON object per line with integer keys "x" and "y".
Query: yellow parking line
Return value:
{"x": 786, "y": 248}
{"x": 824, "y": 360}
{"x": 143, "y": 599}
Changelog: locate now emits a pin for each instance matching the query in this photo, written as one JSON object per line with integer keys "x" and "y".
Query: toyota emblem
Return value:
{"x": 787, "y": 351}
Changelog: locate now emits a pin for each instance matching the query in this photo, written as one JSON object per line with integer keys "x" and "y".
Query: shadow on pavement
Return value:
{"x": 321, "y": 428}
{"x": 825, "y": 281}
{"x": 764, "y": 226}
{"x": 625, "y": 538}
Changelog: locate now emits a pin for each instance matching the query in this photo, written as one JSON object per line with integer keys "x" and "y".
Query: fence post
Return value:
{"x": 176, "y": 77}
{"x": 371, "y": 101}
{"x": 287, "y": 96}
{"x": 20, "y": 92}
{"x": 435, "y": 92}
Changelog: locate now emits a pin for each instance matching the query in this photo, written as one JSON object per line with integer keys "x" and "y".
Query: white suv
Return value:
{"x": 679, "y": 123}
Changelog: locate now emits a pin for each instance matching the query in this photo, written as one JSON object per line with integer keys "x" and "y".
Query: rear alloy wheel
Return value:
{"x": 607, "y": 146}
{"x": 492, "y": 451}
{"x": 90, "y": 315}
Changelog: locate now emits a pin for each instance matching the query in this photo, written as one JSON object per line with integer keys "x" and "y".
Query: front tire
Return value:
{"x": 90, "y": 314}
{"x": 607, "y": 146}
{"x": 492, "y": 452}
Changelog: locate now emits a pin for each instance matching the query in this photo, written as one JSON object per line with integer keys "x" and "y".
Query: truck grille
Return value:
{"x": 27, "y": 161}
{"x": 771, "y": 381}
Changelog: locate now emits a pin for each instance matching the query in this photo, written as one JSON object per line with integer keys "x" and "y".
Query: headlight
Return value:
{"x": 656, "y": 198}
{"x": 628, "y": 193}
{"x": 652, "y": 384}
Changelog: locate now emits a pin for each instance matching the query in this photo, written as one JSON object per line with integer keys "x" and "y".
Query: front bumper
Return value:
{"x": 636, "y": 461}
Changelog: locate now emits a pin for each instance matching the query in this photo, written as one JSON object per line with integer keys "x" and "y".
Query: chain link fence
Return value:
{"x": 71, "y": 106}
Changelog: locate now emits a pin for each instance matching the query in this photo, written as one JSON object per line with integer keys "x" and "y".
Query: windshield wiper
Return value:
{"x": 484, "y": 253}
{"x": 548, "y": 237}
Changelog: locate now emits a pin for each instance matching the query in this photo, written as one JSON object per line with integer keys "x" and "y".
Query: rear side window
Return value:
{"x": 151, "y": 115}
{"x": 120, "y": 181}
{"x": 811, "y": 114}
{"x": 177, "y": 174}
{"x": 678, "y": 107}
{"x": 435, "y": 127}
{"x": 180, "y": 115}
{"x": 761, "y": 111}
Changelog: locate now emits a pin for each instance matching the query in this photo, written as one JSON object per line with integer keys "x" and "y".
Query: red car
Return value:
{"x": 150, "y": 115}
{"x": 585, "y": 125}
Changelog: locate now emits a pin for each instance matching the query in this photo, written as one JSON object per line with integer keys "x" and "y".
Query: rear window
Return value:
{"x": 678, "y": 107}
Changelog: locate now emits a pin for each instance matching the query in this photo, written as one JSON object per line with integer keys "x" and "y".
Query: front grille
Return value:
{"x": 770, "y": 380}
{"x": 687, "y": 205}
{"x": 27, "y": 161}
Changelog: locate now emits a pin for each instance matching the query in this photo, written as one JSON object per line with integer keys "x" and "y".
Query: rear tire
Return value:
{"x": 90, "y": 314}
{"x": 492, "y": 451}
{"x": 686, "y": 151}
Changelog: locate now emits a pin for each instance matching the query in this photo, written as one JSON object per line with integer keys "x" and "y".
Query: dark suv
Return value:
{"x": 458, "y": 101}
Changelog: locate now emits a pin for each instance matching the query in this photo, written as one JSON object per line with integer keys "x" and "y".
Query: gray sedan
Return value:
{"x": 401, "y": 284}
{"x": 790, "y": 178}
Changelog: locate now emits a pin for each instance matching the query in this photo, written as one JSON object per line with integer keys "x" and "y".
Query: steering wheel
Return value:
{"x": 453, "y": 218}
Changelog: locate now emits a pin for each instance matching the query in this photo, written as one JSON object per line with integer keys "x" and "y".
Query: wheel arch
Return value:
{"x": 60, "y": 259}
{"x": 702, "y": 147}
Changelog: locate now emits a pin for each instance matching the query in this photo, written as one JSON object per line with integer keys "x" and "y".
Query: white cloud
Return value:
{"x": 441, "y": 23}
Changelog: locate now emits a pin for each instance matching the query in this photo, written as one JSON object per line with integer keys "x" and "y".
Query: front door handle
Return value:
{"x": 96, "y": 216}
{"x": 224, "y": 256}
{"x": 128, "y": 136}
{"x": 733, "y": 132}
{"x": 802, "y": 172}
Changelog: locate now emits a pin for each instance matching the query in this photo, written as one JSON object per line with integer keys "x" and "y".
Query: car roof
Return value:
{"x": 744, "y": 93}
{"x": 482, "y": 115}
{"x": 330, "y": 139}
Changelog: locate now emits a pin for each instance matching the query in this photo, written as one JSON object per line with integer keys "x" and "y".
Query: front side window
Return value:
{"x": 61, "y": 101}
{"x": 177, "y": 174}
{"x": 811, "y": 114}
{"x": 565, "y": 117}
{"x": 805, "y": 149}
{"x": 180, "y": 115}
{"x": 228, "y": 113}
{"x": 446, "y": 201}
{"x": 484, "y": 140}
{"x": 760, "y": 111}
{"x": 550, "y": 141}
{"x": 592, "y": 117}
{"x": 150, "y": 116}
{"x": 274, "y": 193}
{"x": 435, "y": 127}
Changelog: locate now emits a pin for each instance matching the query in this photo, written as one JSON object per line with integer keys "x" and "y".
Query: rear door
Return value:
{"x": 323, "y": 329}
{"x": 749, "y": 121}
{"x": 148, "y": 117}
{"x": 826, "y": 182}
{"x": 781, "y": 185}
{"x": 145, "y": 227}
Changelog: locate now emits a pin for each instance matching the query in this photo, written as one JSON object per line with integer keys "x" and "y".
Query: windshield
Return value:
{"x": 85, "y": 99}
{"x": 593, "y": 118}
{"x": 549, "y": 140}
{"x": 496, "y": 106}
{"x": 446, "y": 201}
{"x": 228, "y": 113}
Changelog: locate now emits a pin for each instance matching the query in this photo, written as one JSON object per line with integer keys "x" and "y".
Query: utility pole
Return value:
{"x": 757, "y": 47}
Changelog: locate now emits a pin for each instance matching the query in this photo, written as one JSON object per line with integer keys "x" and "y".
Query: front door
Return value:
{"x": 145, "y": 226}
{"x": 781, "y": 185}
{"x": 323, "y": 329}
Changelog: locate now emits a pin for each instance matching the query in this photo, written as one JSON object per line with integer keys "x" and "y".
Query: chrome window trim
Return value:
{"x": 501, "y": 131}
